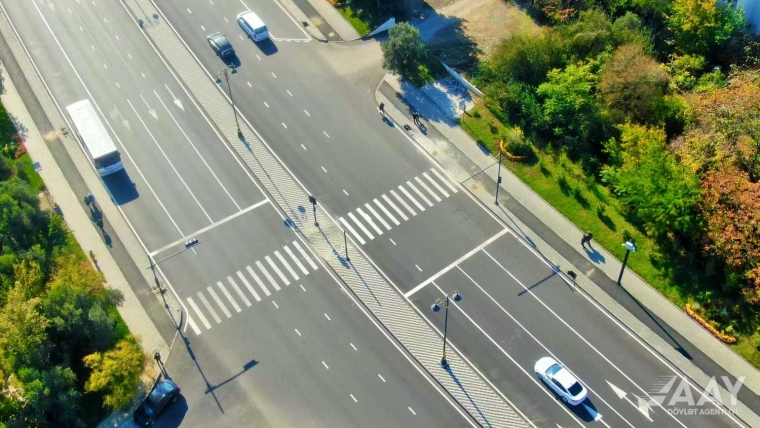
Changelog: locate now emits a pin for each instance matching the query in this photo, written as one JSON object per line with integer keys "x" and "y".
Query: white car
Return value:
{"x": 561, "y": 381}
{"x": 253, "y": 26}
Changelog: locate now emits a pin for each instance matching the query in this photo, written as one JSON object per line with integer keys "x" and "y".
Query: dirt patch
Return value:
{"x": 455, "y": 26}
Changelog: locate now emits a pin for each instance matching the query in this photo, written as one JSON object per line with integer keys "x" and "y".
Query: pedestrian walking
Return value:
{"x": 587, "y": 239}
{"x": 89, "y": 199}
{"x": 381, "y": 107}
{"x": 416, "y": 117}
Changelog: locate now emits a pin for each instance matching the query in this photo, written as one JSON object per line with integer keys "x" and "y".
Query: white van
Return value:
{"x": 253, "y": 26}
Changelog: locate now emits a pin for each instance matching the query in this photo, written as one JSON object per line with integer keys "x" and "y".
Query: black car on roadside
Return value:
{"x": 164, "y": 393}
{"x": 221, "y": 45}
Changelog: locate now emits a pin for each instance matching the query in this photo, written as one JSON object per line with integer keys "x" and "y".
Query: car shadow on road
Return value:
{"x": 174, "y": 414}
{"x": 121, "y": 187}
{"x": 267, "y": 47}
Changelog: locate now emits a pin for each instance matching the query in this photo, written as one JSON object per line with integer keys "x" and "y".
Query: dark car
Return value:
{"x": 221, "y": 45}
{"x": 164, "y": 393}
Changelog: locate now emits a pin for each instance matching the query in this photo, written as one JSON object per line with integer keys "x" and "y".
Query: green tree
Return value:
{"x": 29, "y": 278}
{"x": 404, "y": 51}
{"x": 22, "y": 223}
{"x": 525, "y": 57}
{"x": 116, "y": 373}
{"x": 702, "y": 27}
{"x": 570, "y": 110}
{"x": 652, "y": 186}
{"x": 632, "y": 83}
{"x": 50, "y": 398}
{"x": 630, "y": 29}
{"x": 22, "y": 327}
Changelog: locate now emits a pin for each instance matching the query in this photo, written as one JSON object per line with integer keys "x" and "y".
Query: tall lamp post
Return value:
{"x": 629, "y": 247}
{"x": 437, "y": 307}
{"x": 498, "y": 181}
{"x": 226, "y": 72}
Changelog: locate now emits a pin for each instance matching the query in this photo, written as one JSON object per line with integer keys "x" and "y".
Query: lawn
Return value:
{"x": 590, "y": 206}
{"x": 363, "y": 15}
{"x": 26, "y": 171}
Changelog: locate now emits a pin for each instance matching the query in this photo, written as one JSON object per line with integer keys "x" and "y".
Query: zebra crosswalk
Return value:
{"x": 234, "y": 291}
{"x": 366, "y": 222}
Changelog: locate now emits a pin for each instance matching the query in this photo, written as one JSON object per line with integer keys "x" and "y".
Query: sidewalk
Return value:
{"x": 464, "y": 159}
{"x": 80, "y": 224}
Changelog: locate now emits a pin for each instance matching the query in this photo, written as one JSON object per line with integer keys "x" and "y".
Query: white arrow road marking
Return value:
{"x": 152, "y": 111}
{"x": 619, "y": 392}
{"x": 115, "y": 113}
{"x": 596, "y": 415}
{"x": 177, "y": 101}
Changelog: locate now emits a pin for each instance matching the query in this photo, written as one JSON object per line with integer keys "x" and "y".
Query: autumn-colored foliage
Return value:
{"x": 725, "y": 338}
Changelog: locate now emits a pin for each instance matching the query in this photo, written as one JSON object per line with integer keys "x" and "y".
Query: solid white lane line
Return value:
{"x": 411, "y": 198}
{"x": 218, "y": 181}
{"x": 192, "y": 325}
{"x": 168, "y": 161}
{"x": 238, "y": 290}
{"x": 604, "y": 357}
{"x": 258, "y": 281}
{"x": 425, "y": 186}
{"x": 219, "y": 301}
{"x": 267, "y": 275}
{"x": 199, "y": 313}
{"x": 361, "y": 226}
{"x": 368, "y": 219}
{"x": 381, "y": 378}
{"x": 277, "y": 270}
{"x": 403, "y": 203}
{"x": 435, "y": 184}
{"x": 387, "y": 213}
{"x": 305, "y": 256}
{"x": 395, "y": 208}
{"x": 351, "y": 229}
{"x": 325, "y": 364}
{"x": 488, "y": 295}
{"x": 209, "y": 308}
{"x": 455, "y": 263}
{"x": 445, "y": 181}
{"x": 248, "y": 286}
{"x": 295, "y": 260}
{"x": 228, "y": 295}
{"x": 420, "y": 194}
{"x": 377, "y": 216}
{"x": 287, "y": 266}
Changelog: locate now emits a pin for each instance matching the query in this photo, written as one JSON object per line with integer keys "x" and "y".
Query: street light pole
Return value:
{"x": 437, "y": 307}
{"x": 498, "y": 181}
{"x": 629, "y": 246}
{"x": 229, "y": 90}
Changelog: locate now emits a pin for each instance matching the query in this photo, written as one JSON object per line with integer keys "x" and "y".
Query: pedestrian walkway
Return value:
{"x": 421, "y": 192}
{"x": 462, "y": 158}
{"x": 268, "y": 276}
{"x": 449, "y": 96}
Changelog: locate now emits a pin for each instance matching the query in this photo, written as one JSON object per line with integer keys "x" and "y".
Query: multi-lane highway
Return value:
{"x": 269, "y": 324}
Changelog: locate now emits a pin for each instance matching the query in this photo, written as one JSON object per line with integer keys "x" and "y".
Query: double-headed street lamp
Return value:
{"x": 226, "y": 71}
{"x": 437, "y": 307}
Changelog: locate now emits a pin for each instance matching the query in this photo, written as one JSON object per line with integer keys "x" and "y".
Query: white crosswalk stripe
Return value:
{"x": 385, "y": 210}
{"x": 269, "y": 278}
{"x": 219, "y": 301}
{"x": 411, "y": 198}
{"x": 238, "y": 290}
{"x": 436, "y": 185}
{"x": 295, "y": 260}
{"x": 361, "y": 226}
{"x": 377, "y": 216}
{"x": 351, "y": 229}
{"x": 199, "y": 313}
{"x": 403, "y": 203}
{"x": 229, "y": 296}
{"x": 287, "y": 266}
{"x": 368, "y": 219}
{"x": 305, "y": 256}
{"x": 248, "y": 286}
{"x": 398, "y": 211}
{"x": 427, "y": 189}
{"x": 445, "y": 181}
{"x": 258, "y": 281}
{"x": 420, "y": 194}
{"x": 209, "y": 308}
{"x": 277, "y": 270}
{"x": 193, "y": 325}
